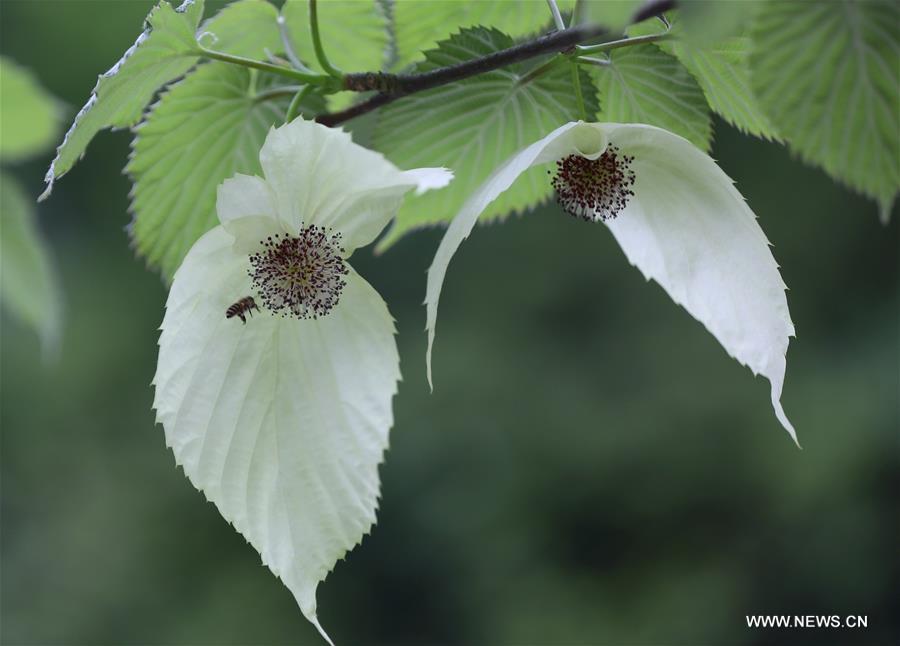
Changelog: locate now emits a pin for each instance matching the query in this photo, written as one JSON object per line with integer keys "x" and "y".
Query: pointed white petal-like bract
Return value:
{"x": 686, "y": 227}
{"x": 282, "y": 423}
{"x": 561, "y": 142}
{"x": 690, "y": 230}
{"x": 320, "y": 176}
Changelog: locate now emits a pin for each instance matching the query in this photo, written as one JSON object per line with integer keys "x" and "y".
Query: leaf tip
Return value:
{"x": 46, "y": 193}
{"x": 884, "y": 210}
{"x": 315, "y": 622}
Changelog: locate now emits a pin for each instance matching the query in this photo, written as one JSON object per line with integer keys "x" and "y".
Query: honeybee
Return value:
{"x": 244, "y": 306}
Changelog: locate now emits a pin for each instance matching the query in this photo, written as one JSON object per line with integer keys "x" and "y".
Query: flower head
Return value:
{"x": 281, "y": 418}
{"x": 301, "y": 275}
{"x": 594, "y": 189}
{"x": 677, "y": 217}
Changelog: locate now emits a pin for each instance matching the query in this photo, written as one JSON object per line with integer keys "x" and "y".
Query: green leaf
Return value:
{"x": 722, "y": 71}
{"x": 354, "y": 33}
{"x": 645, "y": 85}
{"x": 244, "y": 28}
{"x": 28, "y": 114}
{"x": 164, "y": 51}
{"x": 474, "y": 125}
{"x": 420, "y": 25}
{"x": 29, "y": 288}
{"x": 706, "y": 22}
{"x": 203, "y": 130}
{"x": 614, "y": 14}
{"x": 827, "y": 75}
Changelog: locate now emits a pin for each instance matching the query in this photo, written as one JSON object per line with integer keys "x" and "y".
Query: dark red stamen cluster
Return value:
{"x": 595, "y": 189}
{"x": 300, "y": 276}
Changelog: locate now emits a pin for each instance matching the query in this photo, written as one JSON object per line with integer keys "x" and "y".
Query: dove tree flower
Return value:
{"x": 277, "y": 362}
{"x": 677, "y": 217}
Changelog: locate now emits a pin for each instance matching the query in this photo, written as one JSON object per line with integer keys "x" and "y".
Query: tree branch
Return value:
{"x": 391, "y": 87}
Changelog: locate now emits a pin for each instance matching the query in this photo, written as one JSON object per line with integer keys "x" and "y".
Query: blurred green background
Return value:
{"x": 591, "y": 469}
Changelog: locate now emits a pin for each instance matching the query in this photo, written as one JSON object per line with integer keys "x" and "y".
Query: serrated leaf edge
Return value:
{"x": 50, "y": 177}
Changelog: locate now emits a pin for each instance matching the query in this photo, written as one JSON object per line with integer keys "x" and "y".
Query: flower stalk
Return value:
{"x": 330, "y": 69}
{"x": 289, "y": 49}
{"x": 294, "y": 108}
{"x": 557, "y": 16}
{"x": 576, "y": 83}
{"x": 311, "y": 78}
{"x": 624, "y": 42}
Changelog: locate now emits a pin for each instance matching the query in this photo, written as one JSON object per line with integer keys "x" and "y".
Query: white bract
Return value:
{"x": 282, "y": 420}
{"x": 677, "y": 217}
